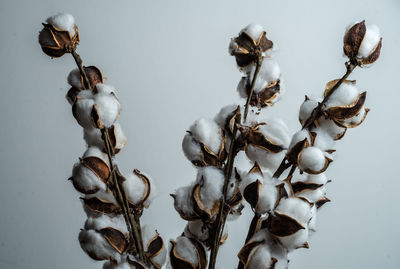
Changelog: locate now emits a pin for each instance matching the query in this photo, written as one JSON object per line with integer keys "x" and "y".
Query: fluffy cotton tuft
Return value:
{"x": 63, "y": 21}
{"x": 313, "y": 195}
{"x": 331, "y": 128}
{"x": 183, "y": 200}
{"x": 311, "y": 158}
{"x": 104, "y": 88}
{"x": 103, "y": 221}
{"x": 96, "y": 152}
{"x": 371, "y": 39}
{"x": 191, "y": 148}
{"x": 223, "y": 115}
{"x": 266, "y": 159}
{"x": 306, "y": 109}
{"x": 86, "y": 180}
{"x": 108, "y": 108}
{"x": 295, "y": 208}
{"x": 277, "y": 131}
{"x": 74, "y": 79}
{"x": 342, "y": 96}
{"x": 94, "y": 244}
{"x": 82, "y": 108}
{"x": 207, "y": 132}
{"x": 259, "y": 257}
{"x": 317, "y": 179}
{"x": 296, "y": 240}
{"x": 212, "y": 179}
{"x": 267, "y": 197}
{"x": 185, "y": 249}
{"x": 253, "y": 30}
{"x": 197, "y": 230}
{"x": 92, "y": 137}
{"x": 323, "y": 140}
{"x": 136, "y": 189}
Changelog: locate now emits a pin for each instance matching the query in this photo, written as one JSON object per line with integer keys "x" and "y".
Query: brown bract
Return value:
{"x": 154, "y": 247}
{"x": 56, "y": 42}
{"x": 178, "y": 262}
{"x": 210, "y": 158}
{"x": 101, "y": 206}
{"x": 146, "y": 193}
{"x": 248, "y": 49}
{"x": 115, "y": 238}
{"x": 256, "y": 138}
{"x": 282, "y": 225}
{"x": 266, "y": 96}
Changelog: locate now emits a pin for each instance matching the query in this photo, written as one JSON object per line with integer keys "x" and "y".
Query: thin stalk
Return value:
{"x": 250, "y": 233}
{"x": 132, "y": 222}
{"x": 316, "y": 113}
{"x": 223, "y": 208}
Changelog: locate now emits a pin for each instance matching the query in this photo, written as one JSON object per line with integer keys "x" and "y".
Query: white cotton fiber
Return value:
{"x": 85, "y": 179}
{"x": 295, "y": 208}
{"x": 106, "y": 196}
{"x": 253, "y": 30}
{"x": 207, "y": 132}
{"x": 313, "y": 195}
{"x": 312, "y": 224}
{"x": 306, "y": 109}
{"x": 329, "y": 127}
{"x": 269, "y": 71}
{"x": 296, "y": 240}
{"x": 300, "y": 136}
{"x": 183, "y": 200}
{"x": 108, "y": 108}
{"x": 82, "y": 109}
{"x": 104, "y": 88}
{"x": 197, "y": 230}
{"x": 185, "y": 249}
{"x": 370, "y": 41}
{"x": 136, "y": 190}
{"x": 259, "y": 257}
{"x": 213, "y": 180}
{"x": 161, "y": 257}
{"x": 148, "y": 233}
{"x": 92, "y": 137}
{"x": 357, "y": 119}
{"x": 223, "y": 115}
{"x": 323, "y": 140}
{"x": 96, "y": 245}
{"x": 268, "y": 196}
{"x": 342, "y": 96}
{"x": 317, "y": 179}
{"x": 311, "y": 158}
{"x": 63, "y": 21}
{"x": 122, "y": 265}
{"x": 120, "y": 136}
{"x": 74, "y": 79}
{"x": 191, "y": 148}
{"x": 103, "y": 221}
{"x": 266, "y": 159}
{"x": 277, "y": 132}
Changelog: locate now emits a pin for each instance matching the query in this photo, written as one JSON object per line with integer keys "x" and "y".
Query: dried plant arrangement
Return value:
{"x": 285, "y": 187}
{"x": 113, "y": 202}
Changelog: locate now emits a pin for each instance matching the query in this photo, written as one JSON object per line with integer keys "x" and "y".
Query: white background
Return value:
{"x": 169, "y": 62}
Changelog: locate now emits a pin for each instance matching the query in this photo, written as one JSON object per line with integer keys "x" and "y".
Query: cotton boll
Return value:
{"x": 306, "y": 109}
{"x": 296, "y": 240}
{"x": 93, "y": 151}
{"x": 313, "y": 195}
{"x": 331, "y": 128}
{"x": 342, "y": 96}
{"x": 269, "y": 71}
{"x": 185, "y": 249}
{"x": 312, "y": 224}
{"x": 299, "y": 136}
{"x": 108, "y": 108}
{"x": 317, "y": 179}
{"x": 160, "y": 258}
{"x": 268, "y": 196}
{"x": 96, "y": 246}
{"x": 63, "y": 21}
{"x": 357, "y": 119}
{"x": 311, "y": 158}
{"x": 82, "y": 109}
{"x": 207, "y": 132}
{"x": 85, "y": 180}
{"x": 295, "y": 208}
{"x": 277, "y": 131}
{"x": 191, "y": 148}
{"x": 223, "y": 114}
{"x": 212, "y": 180}
{"x": 259, "y": 258}
{"x": 75, "y": 79}
{"x": 120, "y": 138}
{"x": 264, "y": 158}
{"x": 371, "y": 39}
{"x": 104, "y": 88}
{"x": 183, "y": 201}
{"x": 139, "y": 188}
{"x": 253, "y": 30}
{"x": 150, "y": 235}
{"x": 106, "y": 196}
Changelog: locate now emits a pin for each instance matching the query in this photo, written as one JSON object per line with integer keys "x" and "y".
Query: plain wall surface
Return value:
{"x": 170, "y": 65}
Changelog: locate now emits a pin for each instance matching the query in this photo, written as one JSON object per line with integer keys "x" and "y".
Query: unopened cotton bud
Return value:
{"x": 362, "y": 43}
{"x": 311, "y": 159}
{"x": 59, "y": 35}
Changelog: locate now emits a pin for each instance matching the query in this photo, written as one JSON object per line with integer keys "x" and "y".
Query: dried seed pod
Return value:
{"x": 313, "y": 161}
{"x": 96, "y": 246}
{"x": 95, "y": 205}
{"x": 249, "y": 45}
{"x": 331, "y": 128}
{"x": 187, "y": 253}
{"x": 227, "y": 117}
{"x": 183, "y": 203}
{"x": 154, "y": 247}
{"x": 93, "y": 74}
{"x": 139, "y": 190}
{"x": 362, "y": 43}
{"x": 59, "y": 35}
{"x": 93, "y": 137}
{"x": 205, "y": 143}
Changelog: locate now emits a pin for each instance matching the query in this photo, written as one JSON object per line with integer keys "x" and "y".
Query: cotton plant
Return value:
{"x": 287, "y": 184}
{"x": 113, "y": 202}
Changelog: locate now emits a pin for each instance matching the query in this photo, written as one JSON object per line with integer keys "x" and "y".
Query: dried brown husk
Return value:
{"x": 72, "y": 94}
{"x": 56, "y": 42}
{"x": 98, "y": 166}
{"x": 94, "y": 76}
{"x": 252, "y": 193}
{"x": 353, "y": 39}
{"x": 112, "y": 131}
{"x": 351, "y": 124}
{"x": 201, "y": 253}
{"x": 96, "y": 117}
{"x": 294, "y": 153}
{"x": 301, "y": 186}
{"x": 115, "y": 238}
{"x": 97, "y": 205}
{"x": 134, "y": 264}
{"x": 374, "y": 55}
{"x": 155, "y": 246}
{"x": 282, "y": 193}
{"x": 282, "y": 225}
{"x": 266, "y": 96}
{"x": 208, "y": 157}
{"x": 322, "y": 201}
{"x": 258, "y": 139}
{"x": 250, "y": 49}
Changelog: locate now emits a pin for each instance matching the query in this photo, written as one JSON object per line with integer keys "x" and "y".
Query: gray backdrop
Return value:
{"x": 169, "y": 62}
